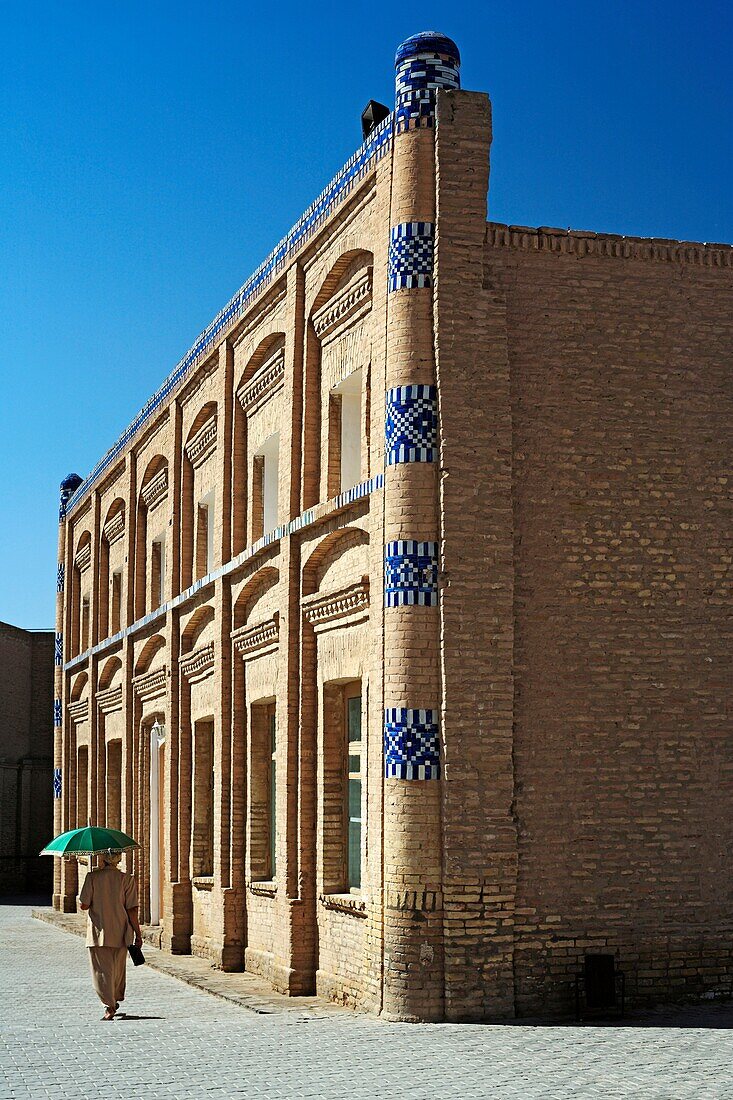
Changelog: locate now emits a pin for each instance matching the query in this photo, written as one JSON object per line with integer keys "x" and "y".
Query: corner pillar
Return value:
{"x": 412, "y": 897}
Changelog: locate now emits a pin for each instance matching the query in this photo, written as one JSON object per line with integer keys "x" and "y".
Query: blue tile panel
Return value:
{"x": 56, "y": 713}
{"x": 417, "y": 79}
{"x": 358, "y": 492}
{"x": 58, "y": 649}
{"x": 410, "y": 573}
{"x": 355, "y": 169}
{"x": 411, "y": 256}
{"x": 57, "y": 782}
{"x": 411, "y": 425}
{"x": 60, "y": 571}
{"x": 411, "y": 744}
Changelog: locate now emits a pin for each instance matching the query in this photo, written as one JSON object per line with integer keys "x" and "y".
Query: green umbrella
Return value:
{"x": 87, "y": 841}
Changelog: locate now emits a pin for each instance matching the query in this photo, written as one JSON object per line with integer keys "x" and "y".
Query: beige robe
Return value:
{"x": 109, "y": 893}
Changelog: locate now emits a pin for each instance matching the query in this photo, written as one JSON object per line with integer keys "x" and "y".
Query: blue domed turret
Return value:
{"x": 70, "y": 483}
{"x": 423, "y": 63}
{"x": 67, "y": 489}
{"x": 428, "y": 42}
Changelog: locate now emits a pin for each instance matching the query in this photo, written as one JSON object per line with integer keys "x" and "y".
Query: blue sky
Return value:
{"x": 151, "y": 154}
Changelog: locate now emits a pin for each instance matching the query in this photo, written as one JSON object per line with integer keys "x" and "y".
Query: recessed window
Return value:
{"x": 203, "y": 800}
{"x": 204, "y": 536}
{"x": 84, "y": 623}
{"x": 115, "y": 601}
{"x": 263, "y": 793}
{"x": 345, "y": 434}
{"x": 157, "y": 572}
{"x": 353, "y": 792}
{"x": 266, "y": 487}
{"x": 341, "y": 790}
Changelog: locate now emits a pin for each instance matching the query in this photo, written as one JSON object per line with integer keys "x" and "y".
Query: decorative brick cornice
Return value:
{"x": 83, "y": 557}
{"x": 577, "y": 243}
{"x": 354, "y": 299}
{"x": 156, "y": 489}
{"x": 151, "y": 685}
{"x": 266, "y": 382}
{"x": 78, "y": 711}
{"x": 253, "y": 641}
{"x": 110, "y": 699}
{"x": 350, "y": 603}
{"x": 114, "y": 528}
{"x": 199, "y": 664}
{"x": 203, "y": 443}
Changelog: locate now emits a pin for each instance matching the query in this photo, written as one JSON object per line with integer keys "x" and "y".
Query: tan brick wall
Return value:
{"x": 26, "y": 758}
{"x": 621, "y": 407}
{"x": 479, "y": 828}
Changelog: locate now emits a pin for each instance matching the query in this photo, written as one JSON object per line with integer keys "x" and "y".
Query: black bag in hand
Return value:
{"x": 136, "y": 954}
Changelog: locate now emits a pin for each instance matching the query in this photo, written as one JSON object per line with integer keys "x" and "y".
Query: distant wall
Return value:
{"x": 26, "y": 759}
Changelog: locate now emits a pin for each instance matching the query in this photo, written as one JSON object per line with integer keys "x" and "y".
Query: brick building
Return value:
{"x": 395, "y": 624}
{"x": 26, "y": 755}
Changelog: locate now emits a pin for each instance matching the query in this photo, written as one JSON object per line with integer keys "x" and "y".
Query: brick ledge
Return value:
{"x": 586, "y": 243}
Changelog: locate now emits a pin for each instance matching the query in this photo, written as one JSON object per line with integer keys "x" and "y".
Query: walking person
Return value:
{"x": 110, "y": 897}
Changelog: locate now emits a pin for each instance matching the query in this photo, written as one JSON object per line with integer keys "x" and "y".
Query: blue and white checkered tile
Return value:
{"x": 57, "y": 782}
{"x": 416, "y": 82}
{"x": 56, "y": 713}
{"x": 58, "y": 649}
{"x": 411, "y": 744}
{"x": 411, "y": 255}
{"x": 60, "y": 573}
{"x": 411, "y": 425}
{"x": 410, "y": 573}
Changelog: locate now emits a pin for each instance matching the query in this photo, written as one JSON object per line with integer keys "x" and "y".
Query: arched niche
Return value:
{"x": 258, "y": 426}
{"x": 338, "y": 357}
{"x": 81, "y": 593}
{"x": 199, "y": 629}
{"x": 116, "y": 508}
{"x": 340, "y": 558}
{"x": 78, "y": 687}
{"x": 110, "y": 674}
{"x": 254, "y": 593}
{"x": 150, "y": 530}
{"x": 153, "y": 653}
{"x": 348, "y": 266}
{"x": 198, "y": 495}
{"x": 203, "y": 416}
{"x": 268, "y": 353}
{"x": 111, "y": 550}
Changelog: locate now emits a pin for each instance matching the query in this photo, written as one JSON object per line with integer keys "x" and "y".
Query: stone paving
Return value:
{"x": 179, "y": 1042}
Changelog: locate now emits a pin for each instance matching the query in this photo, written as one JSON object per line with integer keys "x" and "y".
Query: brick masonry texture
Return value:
{"x": 26, "y": 758}
{"x": 533, "y": 573}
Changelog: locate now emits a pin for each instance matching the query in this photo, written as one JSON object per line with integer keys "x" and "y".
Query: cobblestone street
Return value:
{"x": 179, "y": 1042}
